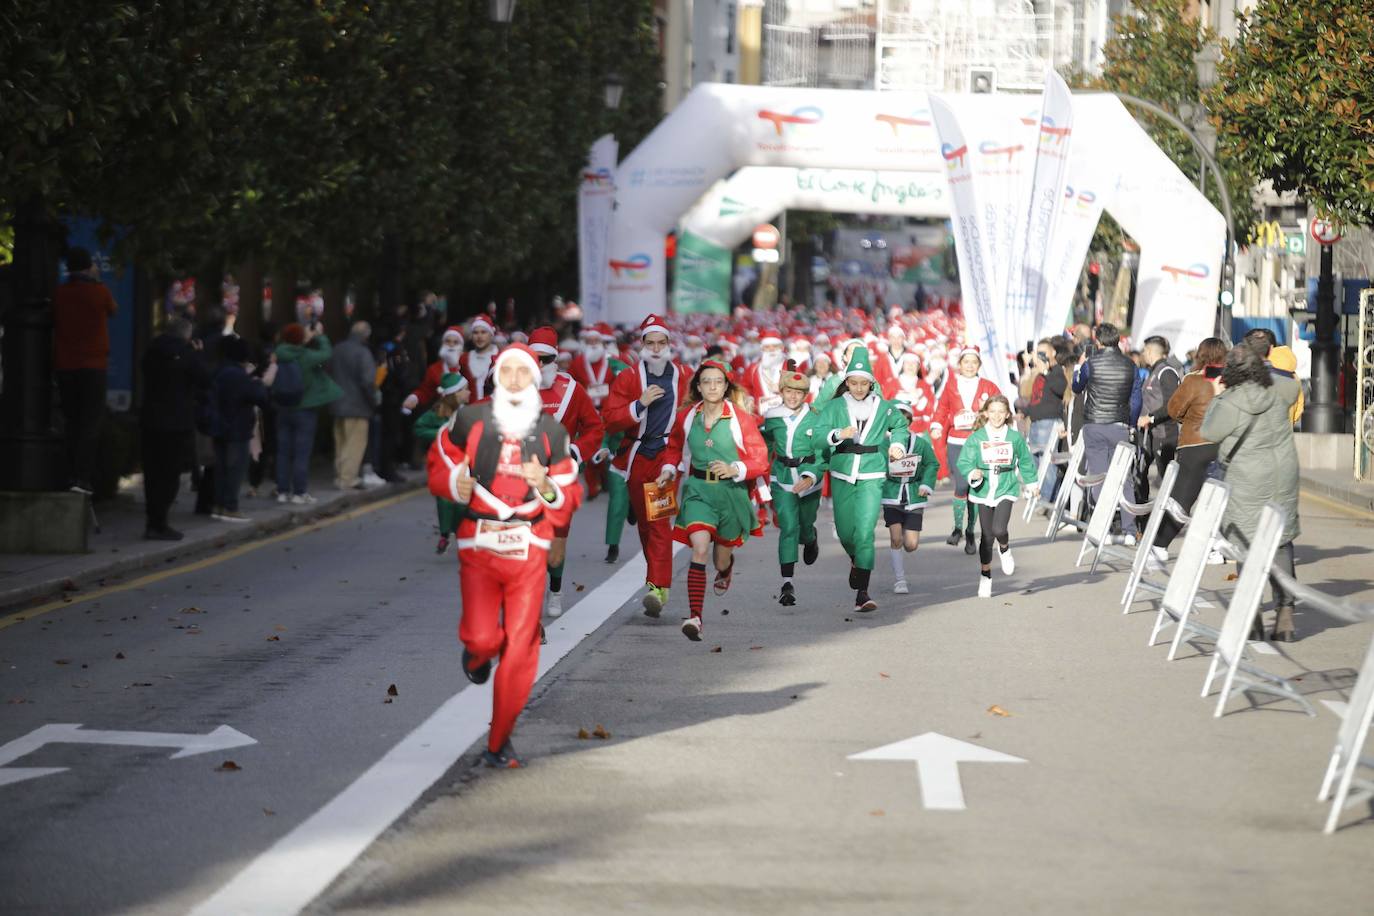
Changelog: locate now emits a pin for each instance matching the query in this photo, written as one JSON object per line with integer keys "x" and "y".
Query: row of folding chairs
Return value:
{"x": 1233, "y": 666}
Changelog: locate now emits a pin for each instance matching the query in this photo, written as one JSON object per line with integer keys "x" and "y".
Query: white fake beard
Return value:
{"x": 515, "y": 414}
{"x": 751, "y": 352}
{"x": 450, "y": 353}
{"x": 595, "y": 352}
{"x": 771, "y": 361}
{"x": 799, "y": 356}
{"x": 547, "y": 374}
{"x": 694, "y": 356}
{"x": 655, "y": 364}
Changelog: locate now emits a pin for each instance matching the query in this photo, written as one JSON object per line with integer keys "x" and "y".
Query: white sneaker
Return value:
{"x": 1125, "y": 539}
{"x": 283, "y": 497}
{"x": 899, "y": 587}
{"x": 984, "y": 586}
{"x": 554, "y": 607}
{"x": 371, "y": 481}
{"x": 1008, "y": 563}
{"x": 303, "y": 499}
{"x": 1157, "y": 559}
{"x": 1216, "y": 559}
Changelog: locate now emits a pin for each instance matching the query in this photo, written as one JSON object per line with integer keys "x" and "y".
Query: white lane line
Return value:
{"x": 299, "y": 866}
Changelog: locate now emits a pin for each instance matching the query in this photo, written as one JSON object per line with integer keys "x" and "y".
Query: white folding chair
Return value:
{"x": 1343, "y": 772}
{"x": 1161, "y": 505}
{"x": 1176, "y": 607}
{"x": 1068, "y": 482}
{"x": 1242, "y": 675}
{"x": 1098, "y": 534}
{"x": 1047, "y": 456}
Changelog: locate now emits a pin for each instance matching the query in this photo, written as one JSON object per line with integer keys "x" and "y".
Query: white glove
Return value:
{"x": 925, "y": 490}
{"x": 601, "y": 456}
{"x": 409, "y": 404}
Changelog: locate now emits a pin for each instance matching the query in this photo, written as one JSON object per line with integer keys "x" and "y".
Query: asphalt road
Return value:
{"x": 725, "y": 784}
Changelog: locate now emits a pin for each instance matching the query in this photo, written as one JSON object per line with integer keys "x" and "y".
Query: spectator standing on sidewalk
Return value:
{"x": 355, "y": 372}
{"x": 82, "y": 308}
{"x": 174, "y": 375}
{"x": 1049, "y": 385}
{"x": 1165, "y": 375}
{"x": 236, "y": 395}
{"x": 1111, "y": 385}
{"x": 303, "y": 386}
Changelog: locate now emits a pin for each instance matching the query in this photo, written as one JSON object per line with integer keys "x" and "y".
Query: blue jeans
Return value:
{"x": 1099, "y": 441}
{"x": 1039, "y": 440}
{"x": 295, "y": 441}
{"x": 231, "y": 461}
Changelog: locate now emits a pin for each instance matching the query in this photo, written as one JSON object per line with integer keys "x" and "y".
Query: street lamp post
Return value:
{"x": 502, "y": 11}
{"x": 615, "y": 87}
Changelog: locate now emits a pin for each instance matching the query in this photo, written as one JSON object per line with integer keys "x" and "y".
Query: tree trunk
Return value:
{"x": 248, "y": 324}
{"x": 283, "y": 296}
{"x": 335, "y": 321}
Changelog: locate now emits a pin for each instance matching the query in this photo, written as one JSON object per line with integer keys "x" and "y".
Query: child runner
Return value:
{"x": 910, "y": 481}
{"x": 453, "y": 393}
{"x": 953, "y": 421}
{"x": 996, "y": 461}
{"x": 720, "y": 451}
{"x": 859, "y": 425}
{"x": 796, "y": 442}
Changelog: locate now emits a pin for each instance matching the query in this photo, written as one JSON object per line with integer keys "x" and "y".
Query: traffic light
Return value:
{"x": 1228, "y": 282}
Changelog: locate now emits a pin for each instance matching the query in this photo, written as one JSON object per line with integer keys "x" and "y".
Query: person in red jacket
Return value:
{"x": 568, "y": 403}
{"x": 643, "y": 400}
{"x": 450, "y": 355}
{"x": 594, "y": 370}
{"x": 82, "y": 308}
{"x": 478, "y": 363}
{"x": 508, "y": 467}
{"x": 887, "y": 361}
{"x": 762, "y": 381}
{"x": 716, "y": 447}
{"x": 964, "y": 395}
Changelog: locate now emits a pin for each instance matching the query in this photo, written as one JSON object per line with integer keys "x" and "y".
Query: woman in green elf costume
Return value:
{"x": 716, "y": 446}
{"x": 910, "y": 481}
{"x": 859, "y": 428}
{"x": 797, "y": 445}
{"x": 997, "y": 463}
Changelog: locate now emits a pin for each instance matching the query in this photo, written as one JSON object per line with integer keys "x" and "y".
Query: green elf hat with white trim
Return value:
{"x": 859, "y": 365}
{"x": 451, "y": 383}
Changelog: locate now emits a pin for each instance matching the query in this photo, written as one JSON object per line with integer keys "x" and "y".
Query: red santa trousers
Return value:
{"x": 656, "y": 537}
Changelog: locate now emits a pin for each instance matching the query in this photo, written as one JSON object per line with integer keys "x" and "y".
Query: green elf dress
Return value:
{"x": 796, "y": 442}
{"x": 427, "y": 429}
{"x": 858, "y": 469}
{"x": 722, "y": 506}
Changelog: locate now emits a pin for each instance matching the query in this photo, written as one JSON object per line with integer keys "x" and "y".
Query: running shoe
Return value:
{"x": 955, "y": 537}
{"x": 899, "y": 587}
{"x": 788, "y": 596}
{"x": 722, "y": 583}
{"x": 691, "y": 628}
{"x": 555, "y": 606}
{"x": 811, "y": 551}
{"x": 504, "y": 759}
{"x": 479, "y": 674}
{"x": 970, "y": 548}
{"x": 863, "y": 604}
{"x": 442, "y": 546}
{"x": 612, "y": 553}
{"x": 1008, "y": 562}
{"x": 655, "y": 601}
{"x": 985, "y": 586}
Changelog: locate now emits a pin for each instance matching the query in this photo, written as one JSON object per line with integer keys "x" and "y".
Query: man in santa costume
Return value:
{"x": 642, "y": 404}
{"x": 450, "y": 353}
{"x": 799, "y": 352}
{"x": 568, "y": 403}
{"x": 763, "y": 379}
{"x": 508, "y": 466}
{"x": 478, "y": 363}
{"x": 912, "y": 389}
{"x": 887, "y": 360}
{"x": 955, "y": 415}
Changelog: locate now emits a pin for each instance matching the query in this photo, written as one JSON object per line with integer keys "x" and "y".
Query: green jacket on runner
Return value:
{"x": 1000, "y": 482}
{"x": 905, "y": 492}
{"x": 796, "y": 445}
{"x": 865, "y": 457}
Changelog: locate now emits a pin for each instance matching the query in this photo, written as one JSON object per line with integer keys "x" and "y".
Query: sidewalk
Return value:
{"x": 1339, "y": 486}
{"x": 119, "y": 548}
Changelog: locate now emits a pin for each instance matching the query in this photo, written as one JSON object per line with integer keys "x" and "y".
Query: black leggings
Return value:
{"x": 1193, "y": 462}
{"x": 994, "y": 522}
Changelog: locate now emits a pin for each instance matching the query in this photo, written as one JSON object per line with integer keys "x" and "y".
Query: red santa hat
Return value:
{"x": 770, "y": 337}
{"x": 970, "y": 350}
{"x": 606, "y": 331}
{"x": 519, "y": 352}
{"x": 481, "y": 321}
{"x": 453, "y": 330}
{"x": 544, "y": 341}
{"x": 654, "y": 323}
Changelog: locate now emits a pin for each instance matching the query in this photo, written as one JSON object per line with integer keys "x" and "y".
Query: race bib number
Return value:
{"x": 769, "y": 401}
{"x": 905, "y": 466}
{"x": 598, "y": 392}
{"x": 508, "y": 540}
{"x": 996, "y": 454}
{"x": 965, "y": 419}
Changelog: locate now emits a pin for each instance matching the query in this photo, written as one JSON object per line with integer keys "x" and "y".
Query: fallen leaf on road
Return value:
{"x": 16, "y": 701}
{"x": 725, "y": 612}
{"x": 579, "y": 587}
{"x": 62, "y": 661}
{"x": 402, "y": 579}
{"x": 392, "y": 691}
{"x": 975, "y": 736}
{"x": 274, "y": 639}
{"x": 228, "y": 766}
{"x": 194, "y": 631}
{"x": 849, "y": 620}
{"x": 583, "y": 734}
{"x": 881, "y": 674}
{"x": 138, "y": 684}
{"x": 794, "y": 696}
{"x": 600, "y": 732}
{"x": 998, "y": 711}
{"x": 878, "y": 812}
{"x": 279, "y": 628}
{"x": 716, "y": 649}
{"x": 1232, "y": 577}
{"x": 191, "y": 610}
{"x": 268, "y": 811}
{"x": 755, "y": 648}
{"x": 387, "y": 700}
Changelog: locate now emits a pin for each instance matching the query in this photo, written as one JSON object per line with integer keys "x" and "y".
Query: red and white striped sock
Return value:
{"x": 696, "y": 587}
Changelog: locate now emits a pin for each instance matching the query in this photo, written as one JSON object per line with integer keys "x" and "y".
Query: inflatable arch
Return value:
{"x": 1113, "y": 165}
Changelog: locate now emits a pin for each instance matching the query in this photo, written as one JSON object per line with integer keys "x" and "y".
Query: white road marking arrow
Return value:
{"x": 937, "y": 759}
{"x": 221, "y": 739}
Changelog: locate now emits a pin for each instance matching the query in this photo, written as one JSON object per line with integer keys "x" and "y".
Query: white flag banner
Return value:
{"x": 595, "y": 204}
{"x": 987, "y": 156}
{"x": 1027, "y": 294}
{"x": 1080, "y": 209}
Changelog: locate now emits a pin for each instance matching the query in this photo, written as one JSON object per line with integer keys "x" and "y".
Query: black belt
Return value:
{"x": 849, "y": 447}
{"x": 483, "y": 516}
{"x": 711, "y": 478}
{"x": 788, "y": 462}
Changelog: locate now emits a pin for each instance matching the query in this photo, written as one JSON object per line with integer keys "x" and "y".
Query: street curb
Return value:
{"x": 1348, "y": 495}
{"x": 190, "y": 549}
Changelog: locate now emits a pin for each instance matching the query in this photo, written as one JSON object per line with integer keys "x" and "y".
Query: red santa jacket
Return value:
{"x": 593, "y": 376}
{"x": 923, "y": 404}
{"x": 472, "y": 441}
{"x": 753, "y": 451}
{"x": 954, "y": 418}
{"x": 428, "y": 390}
{"x": 480, "y": 388}
{"x": 622, "y": 412}
{"x": 568, "y": 403}
{"x": 766, "y": 395}
{"x": 884, "y": 372}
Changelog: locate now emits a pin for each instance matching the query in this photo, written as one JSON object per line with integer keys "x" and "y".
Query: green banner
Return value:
{"x": 701, "y": 277}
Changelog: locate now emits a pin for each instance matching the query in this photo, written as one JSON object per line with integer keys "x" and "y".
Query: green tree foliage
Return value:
{"x": 1297, "y": 102}
{"x": 1150, "y": 55}
{"x": 308, "y": 131}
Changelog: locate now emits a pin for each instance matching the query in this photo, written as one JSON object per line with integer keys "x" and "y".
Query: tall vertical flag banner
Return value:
{"x": 988, "y": 155}
{"x": 1030, "y": 287}
{"x": 595, "y": 205}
